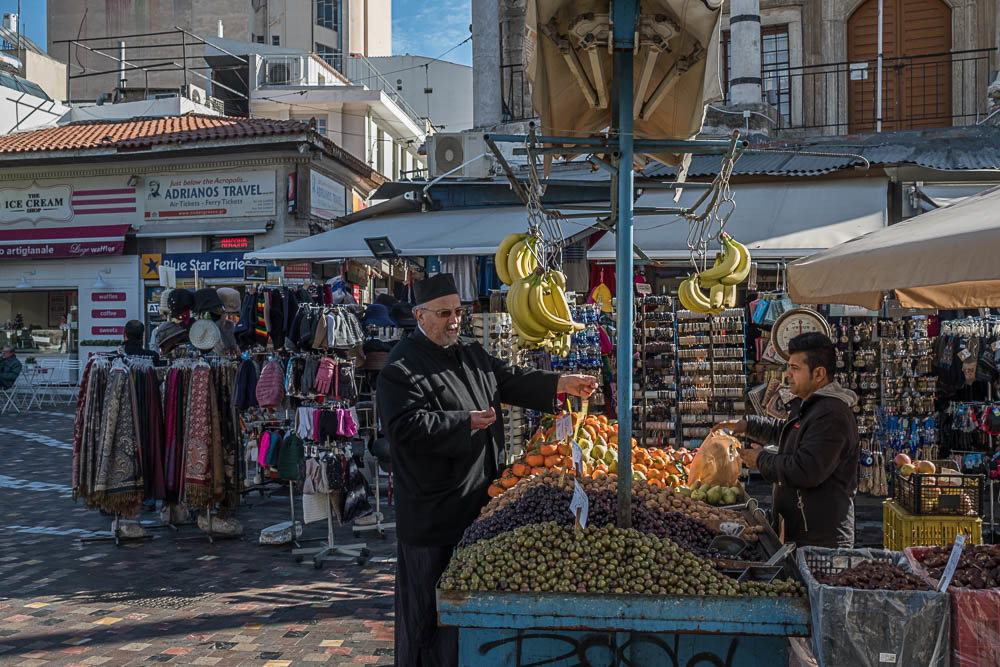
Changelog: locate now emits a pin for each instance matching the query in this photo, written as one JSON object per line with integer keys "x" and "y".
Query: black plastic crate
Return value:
{"x": 834, "y": 562}
{"x": 936, "y": 494}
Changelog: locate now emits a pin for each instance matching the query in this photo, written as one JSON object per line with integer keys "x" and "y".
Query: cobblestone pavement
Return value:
{"x": 175, "y": 598}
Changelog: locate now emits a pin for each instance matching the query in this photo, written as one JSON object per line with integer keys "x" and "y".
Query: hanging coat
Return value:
{"x": 441, "y": 469}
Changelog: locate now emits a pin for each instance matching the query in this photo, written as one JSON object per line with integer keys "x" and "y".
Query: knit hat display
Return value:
{"x": 170, "y": 336}
{"x": 435, "y": 287}
{"x": 271, "y": 386}
{"x": 180, "y": 300}
{"x": 206, "y": 300}
{"x": 165, "y": 302}
{"x": 204, "y": 334}
{"x": 231, "y": 300}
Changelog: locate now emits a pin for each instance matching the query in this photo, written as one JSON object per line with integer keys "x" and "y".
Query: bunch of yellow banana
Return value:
{"x": 540, "y": 314}
{"x": 515, "y": 259}
{"x": 731, "y": 268}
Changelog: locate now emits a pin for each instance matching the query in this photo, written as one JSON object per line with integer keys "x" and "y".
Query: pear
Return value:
{"x": 613, "y": 468}
{"x": 714, "y": 495}
{"x": 599, "y": 452}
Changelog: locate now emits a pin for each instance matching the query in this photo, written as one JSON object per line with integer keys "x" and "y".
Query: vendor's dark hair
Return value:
{"x": 134, "y": 330}
{"x": 818, "y": 349}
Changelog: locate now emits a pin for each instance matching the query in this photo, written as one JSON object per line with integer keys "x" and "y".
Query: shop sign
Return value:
{"x": 35, "y": 203}
{"x": 210, "y": 195}
{"x": 107, "y": 331}
{"x": 208, "y": 264}
{"x": 327, "y": 197}
{"x": 61, "y": 249}
{"x": 107, "y": 296}
{"x": 297, "y": 271}
{"x": 98, "y": 313}
{"x": 291, "y": 192}
{"x": 232, "y": 243}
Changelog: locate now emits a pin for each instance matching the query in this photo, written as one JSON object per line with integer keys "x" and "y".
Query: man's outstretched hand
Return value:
{"x": 577, "y": 385}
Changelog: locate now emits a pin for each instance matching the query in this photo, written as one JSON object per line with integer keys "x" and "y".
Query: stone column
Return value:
{"x": 486, "y": 100}
{"x": 744, "y": 50}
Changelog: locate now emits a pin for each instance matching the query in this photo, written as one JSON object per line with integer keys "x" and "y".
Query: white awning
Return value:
{"x": 774, "y": 220}
{"x": 203, "y": 228}
{"x": 469, "y": 231}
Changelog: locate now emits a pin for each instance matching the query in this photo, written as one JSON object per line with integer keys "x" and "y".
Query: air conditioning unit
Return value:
{"x": 449, "y": 151}
{"x": 287, "y": 70}
{"x": 195, "y": 94}
{"x": 217, "y": 105}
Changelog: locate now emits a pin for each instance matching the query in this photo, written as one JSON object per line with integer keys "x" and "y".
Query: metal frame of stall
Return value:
{"x": 557, "y": 629}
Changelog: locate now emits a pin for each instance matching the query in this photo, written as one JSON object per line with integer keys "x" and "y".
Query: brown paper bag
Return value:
{"x": 717, "y": 461}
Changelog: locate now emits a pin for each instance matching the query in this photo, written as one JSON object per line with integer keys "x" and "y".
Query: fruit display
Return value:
{"x": 732, "y": 266}
{"x": 874, "y": 576}
{"x": 659, "y": 501}
{"x": 545, "y": 502}
{"x": 922, "y": 488}
{"x": 978, "y": 566}
{"x": 548, "y": 557}
{"x": 713, "y": 495}
{"x": 540, "y": 314}
{"x": 598, "y": 440}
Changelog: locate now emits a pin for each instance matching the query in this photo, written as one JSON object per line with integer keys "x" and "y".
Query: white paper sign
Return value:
{"x": 564, "y": 426}
{"x": 580, "y": 502}
{"x": 578, "y": 459}
{"x": 213, "y": 194}
{"x": 949, "y": 569}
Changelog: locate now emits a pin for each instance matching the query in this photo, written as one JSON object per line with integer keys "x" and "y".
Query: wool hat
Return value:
{"x": 402, "y": 315}
{"x": 270, "y": 389}
{"x": 230, "y": 299}
{"x": 180, "y": 300}
{"x": 206, "y": 300}
{"x": 204, "y": 334}
{"x": 165, "y": 302}
{"x": 377, "y": 315}
{"x": 386, "y": 300}
{"x": 169, "y": 336}
{"x": 435, "y": 287}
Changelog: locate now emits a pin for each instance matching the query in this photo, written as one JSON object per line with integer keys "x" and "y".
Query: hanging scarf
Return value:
{"x": 118, "y": 486}
{"x": 197, "y": 440}
{"x": 153, "y": 459}
{"x": 90, "y": 434}
{"x": 173, "y": 454}
{"x": 78, "y": 425}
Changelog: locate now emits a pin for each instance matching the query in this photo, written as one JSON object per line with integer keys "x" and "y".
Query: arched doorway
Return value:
{"x": 916, "y": 83}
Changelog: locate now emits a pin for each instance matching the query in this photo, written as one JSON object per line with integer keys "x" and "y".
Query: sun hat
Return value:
{"x": 377, "y": 315}
{"x": 204, "y": 334}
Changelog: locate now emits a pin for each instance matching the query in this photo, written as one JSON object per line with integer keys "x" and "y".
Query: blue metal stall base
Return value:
{"x": 559, "y": 629}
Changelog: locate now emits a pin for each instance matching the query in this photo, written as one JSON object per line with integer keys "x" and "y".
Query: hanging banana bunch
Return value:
{"x": 732, "y": 266}
{"x": 537, "y": 304}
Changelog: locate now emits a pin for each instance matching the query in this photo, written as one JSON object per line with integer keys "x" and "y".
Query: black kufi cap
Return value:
{"x": 435, "y": 287}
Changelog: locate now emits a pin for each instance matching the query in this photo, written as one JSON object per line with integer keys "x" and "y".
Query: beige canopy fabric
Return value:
{"x": 948, "y": 258}
{"x": 676, "y": 70}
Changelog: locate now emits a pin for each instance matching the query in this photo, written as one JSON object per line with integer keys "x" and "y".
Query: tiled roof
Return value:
{"x": 136, "y": 134}
{"x": 139, "y": 133}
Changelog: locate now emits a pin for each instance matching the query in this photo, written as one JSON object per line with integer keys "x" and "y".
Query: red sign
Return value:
{"x": 297, "y": 271}
{"x": 107, "y": 296}
{"x": 357, "y": 293}
{"x": 61, "y": 250}
{"x": 107, "y": 331}
{"x": 233, "y": 243}
{"x": 107, "y": 314}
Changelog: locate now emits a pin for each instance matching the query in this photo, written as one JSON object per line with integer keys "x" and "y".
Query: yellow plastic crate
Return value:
{"x": 900, "y": 529}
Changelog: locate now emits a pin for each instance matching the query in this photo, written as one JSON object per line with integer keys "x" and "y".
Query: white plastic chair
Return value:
{"x": 72, "y": 369}
{"x": 7, "y": 401}
{"x": 48, "y": 379}
{"x": 24, "y": 389}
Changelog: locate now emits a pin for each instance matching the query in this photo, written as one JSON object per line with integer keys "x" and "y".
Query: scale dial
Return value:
{"x": 793, "y": 323}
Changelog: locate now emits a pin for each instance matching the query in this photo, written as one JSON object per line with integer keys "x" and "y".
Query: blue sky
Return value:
{"x": 418, "y": 27}
{"x": 424, "y": 28}
{"x": 32, "y": 18}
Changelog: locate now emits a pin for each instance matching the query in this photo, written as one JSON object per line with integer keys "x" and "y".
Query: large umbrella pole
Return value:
{"x": 624, "y": 15}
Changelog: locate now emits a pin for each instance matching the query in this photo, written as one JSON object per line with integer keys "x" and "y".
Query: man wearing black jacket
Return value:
{"x": 815, "y": 471}
{"x": 439, "y": 402}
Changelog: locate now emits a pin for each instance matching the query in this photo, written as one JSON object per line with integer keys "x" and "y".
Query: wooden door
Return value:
{"x": 916, "y": 83}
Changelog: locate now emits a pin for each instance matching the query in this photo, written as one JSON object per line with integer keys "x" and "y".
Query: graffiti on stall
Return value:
{"x": 602, "y": 650}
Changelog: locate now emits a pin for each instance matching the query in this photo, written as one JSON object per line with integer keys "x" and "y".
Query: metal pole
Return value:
{"x": 878, "y": 74}
{"x": 624, "y": 31}
{"x": 184, "y": 54}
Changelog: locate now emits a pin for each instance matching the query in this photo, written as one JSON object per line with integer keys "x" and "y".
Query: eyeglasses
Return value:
{"x": 446, "y": 313}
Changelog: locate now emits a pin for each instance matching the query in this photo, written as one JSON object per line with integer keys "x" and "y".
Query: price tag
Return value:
{"x": 578, "y": 459}
{"x": 949, "y": 569}
{"x": 580, "y": 505}
{"x": 644, "y": 288}
{"x": 564, "y": 426}
{"x": 964, "y": 354}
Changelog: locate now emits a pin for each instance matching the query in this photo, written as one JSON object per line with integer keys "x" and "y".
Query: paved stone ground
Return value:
{"x": 175, "y": 598}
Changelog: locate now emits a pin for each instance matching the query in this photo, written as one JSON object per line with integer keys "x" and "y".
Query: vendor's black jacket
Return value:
{"x": 134, "y": 348}
{"x": 441, "y": 469}
{"x": 817, "y": 460}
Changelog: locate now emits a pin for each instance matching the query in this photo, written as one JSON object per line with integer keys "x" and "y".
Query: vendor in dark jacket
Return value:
{"x": 132, "y": 346}
{"x": 439, "y": 402}
{"x": 815, "y": 471}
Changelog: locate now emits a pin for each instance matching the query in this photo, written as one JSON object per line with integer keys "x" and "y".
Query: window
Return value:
{"x": 329, "y": 54}
{"x": 328, "y": 14}
{"x": 275, "y": 40}
{"x": 258, "y": 38}
{"x": 321, "y": 126}
{"x": 775, "y": 79}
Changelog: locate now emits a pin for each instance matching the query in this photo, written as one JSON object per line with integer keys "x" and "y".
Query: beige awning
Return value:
{"x": 947, "y": 258}
{"x": 676, "y": 68}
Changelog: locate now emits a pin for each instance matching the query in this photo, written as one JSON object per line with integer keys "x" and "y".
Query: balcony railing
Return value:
{"x": 918, "y": 92}
{"x": 359, "y": 70}
{"x": 516, "y": 93}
